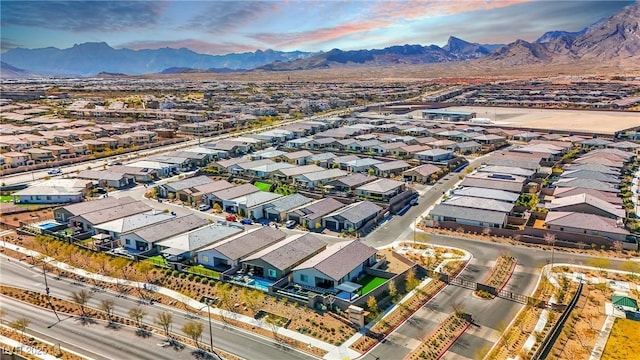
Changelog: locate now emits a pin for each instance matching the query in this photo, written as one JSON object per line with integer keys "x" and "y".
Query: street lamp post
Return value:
{"x": 208, "y": 301}
{"x": 48, "y": 292}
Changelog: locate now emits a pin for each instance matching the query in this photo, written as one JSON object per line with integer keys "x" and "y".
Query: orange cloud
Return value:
{"x": 192, "y": 44}
{"x": 383, "y": 14}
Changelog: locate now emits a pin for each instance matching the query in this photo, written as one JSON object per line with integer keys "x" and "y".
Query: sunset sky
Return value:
{"x": 221, "y": 27}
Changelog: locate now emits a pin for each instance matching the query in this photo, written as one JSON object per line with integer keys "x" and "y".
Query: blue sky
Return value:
{"x": 220, "y": 27}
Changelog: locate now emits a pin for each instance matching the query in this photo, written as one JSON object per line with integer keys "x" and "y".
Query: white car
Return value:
{"x": 56, "y": 171}
{"x": 290, "y": 224}
{"x": 204, "y": 207}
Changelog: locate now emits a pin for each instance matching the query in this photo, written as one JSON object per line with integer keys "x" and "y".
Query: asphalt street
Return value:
{"x": 235, "y": 341}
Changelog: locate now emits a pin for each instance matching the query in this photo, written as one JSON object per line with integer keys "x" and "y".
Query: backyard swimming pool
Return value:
{"x": 48, "y": 225}
{"x": 260, "y": 284}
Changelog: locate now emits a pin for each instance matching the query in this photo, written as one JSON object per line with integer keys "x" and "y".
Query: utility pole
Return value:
{"x": 208, "y": 301}
{"x": 48, "y": 292}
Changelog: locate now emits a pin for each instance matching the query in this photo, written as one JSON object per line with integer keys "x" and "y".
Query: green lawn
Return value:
{"x": 369, "y": 283}
{"x": 199, "y": 269}
{"x": 158, "y": 260}
{"x": 262, "y": 186}
{"x": 6, "y": 198}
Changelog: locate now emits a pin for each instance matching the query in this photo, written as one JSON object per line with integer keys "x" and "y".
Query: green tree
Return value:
{"x": 411, "y": 281}
{"x": 393, "y": 291}
{"x": 372, "y": 305}
{"x": 107, "y": 306}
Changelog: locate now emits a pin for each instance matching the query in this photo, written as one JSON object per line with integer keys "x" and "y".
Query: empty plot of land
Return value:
{"x": 601, "y": 122}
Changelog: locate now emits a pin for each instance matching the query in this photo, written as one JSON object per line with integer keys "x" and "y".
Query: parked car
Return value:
{"x": 204, "y": 207}
{"x": 230, "y": 218}
{"x": 246, "y": 222}
{"x": 55, "y": 171}
{"x": 290, "y": 224}
{"x": 413, "y": 201}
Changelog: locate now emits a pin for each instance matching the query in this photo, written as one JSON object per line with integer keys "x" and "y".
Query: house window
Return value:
{"x": 128, "y": 242}
{"x": 304, "y": 278}
{"x": 205, "y": 258}
{"x": 48, "y": 197}
{"x": 271, "y": 273}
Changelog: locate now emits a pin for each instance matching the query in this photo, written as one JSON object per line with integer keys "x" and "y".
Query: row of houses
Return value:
{"x": 262, "y": 253}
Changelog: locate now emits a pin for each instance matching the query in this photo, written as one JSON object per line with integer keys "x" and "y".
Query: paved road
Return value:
{"x": 234, "y": 341}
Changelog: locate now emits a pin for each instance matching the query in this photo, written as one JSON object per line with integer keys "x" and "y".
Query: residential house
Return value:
{"x": 498, "y": 169}
{"x": 298, "y": 157}
{"x": 349, "y": 183}
{"x": 239, "y": 167}
{"x": 341, "y": 162}
{"x": 391, "y": 168}
{"x": 115, "y": 228}
{"x": 585, "y": 224}
{"x": 226, "y": 197}
{"x": 468, "y": 216}
{"x": 270, "y": 153}
{"x": 106, "y": 178}
{"x": 301, "y": 143}
{"x": 15, "y": 159}
{"x": 59, "y": 152}
{"x": 505, "y": 182}
{"x": 587, "y": 184}
{"x": 588, "y": 204}
{"x": 424, "y": 174}
{"x": 593, "y": 175}
{"x": 146, "y": 239}
{"x": 199, "y": 194}
{"x": 186, "y": 245}
{"x": 381, "y": 189}
{"x": 77, "y": 149}
{"x": 321, "y": 159}
{"x": 468, "y": 147}
{"x": 227, "y": 253}
{"x": 252, "y": 205}
{"x": 362, "y": 165}
{"x": 171, "y": 189}
{"x": 158, "y": 167}
{"x": 289, "y": 173}
{"x": 595, "y": 143}
{"x": 612, "y": 198}
{"x": 276, "y": 210}
{"x": 434, "y": 156}
{"x": 311, "y": 180}
{"x": 264, "y": 171}
{"x": 310, "y": 215}
{"x": 140, "y": 174}
{"x": 62, "y": 214}
{"x": 39, "y": 155}
{"x": 351, "y": 217}
{"x": 54, "y": 191}
{"x": 277, "y": 260}
{"x": 484, "y": 193}
{"x": 338, "y": 263}
{"x": 86, "y": 221}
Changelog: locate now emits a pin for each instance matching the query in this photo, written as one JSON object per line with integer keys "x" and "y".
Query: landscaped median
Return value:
{"x": 500, "y": 275}
{"x": 440, "y": 340}
{"x": 397, "y": 316}
{"x": 28, "y": 347}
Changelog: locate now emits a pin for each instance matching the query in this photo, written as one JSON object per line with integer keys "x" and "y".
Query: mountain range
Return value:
{"x": 614, "y": 38}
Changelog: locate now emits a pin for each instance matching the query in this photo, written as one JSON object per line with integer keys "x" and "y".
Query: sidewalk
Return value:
{"x": 10, "y": 346}
{"x": 185, "y": 299}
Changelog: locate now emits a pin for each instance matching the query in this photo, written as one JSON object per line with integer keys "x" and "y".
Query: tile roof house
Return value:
{"x": 505, "y": 182}
{"x": 276, "y": 210}
{"x": 277, "y": 260}
{"x": 185, "y": 246}
{"x": 338, "y": 263}
{"x": 589, "y": 204}
{"x": 199, "y": 194}
{"x": 227, "y": 253}
{"x": 115, "y": 228}
{"x": 107, "y": 178}
{"x": 484, "y": 193}
{"x": 252, "y": 205}
{"x": 87, "y": 221}
{"x": 146, "y": 239}
{"x": 434, "y": 155}
{"x": 390, "y": 168}
{"x": 479, "y": 203}
{"x": 298, "y": 157}
{"x": 422, "y": 174}
{"x": 231, "y": 193}
{"x": 594, "y": 175}
{"x": 54, "y": 191}
{"x": 62, "y": 214}
{"x": 468, "y": 216}
{"x": 381, "y": 189}
{"x": 173, "y": 187}
{"x": 612, "y": 198}
{"x": 310, "y": 215}
{"x": 352, "y": 217}
{"x": 311, "y": 180}
{"x": 289, "y": 173}
{"x": 585, "y": 224}
{"x": 587, "y": 184}
{"x": 348, "y": 183}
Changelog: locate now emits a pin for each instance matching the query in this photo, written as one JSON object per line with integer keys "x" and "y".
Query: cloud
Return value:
{"x": 225, "y": 16}
{"x": 192, "y": 44}
{"x": 82, "y": 16}
{"x": 8, "y": 44}
{"x": 384, "y": 14}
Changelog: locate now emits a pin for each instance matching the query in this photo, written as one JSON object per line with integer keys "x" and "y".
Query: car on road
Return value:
{"x": 230, "y": 218}
{"x": 246, "y": 222}
{"x": 55, "y": 171}
{"x": 204, "y": 207}
{"x": 290, "y": 224}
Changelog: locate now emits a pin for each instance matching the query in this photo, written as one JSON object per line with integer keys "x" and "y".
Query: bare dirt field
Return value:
{"x": 602, "y": 122}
